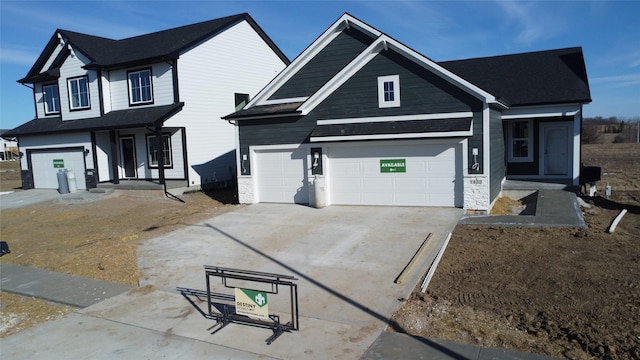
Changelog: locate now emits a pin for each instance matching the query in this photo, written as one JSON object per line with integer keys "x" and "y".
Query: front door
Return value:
{"x": 556, "y": 149}
{"x": 128, "y": 147}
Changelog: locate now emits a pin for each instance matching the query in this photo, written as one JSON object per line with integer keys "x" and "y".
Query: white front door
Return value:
{"x": 555, "y": 145}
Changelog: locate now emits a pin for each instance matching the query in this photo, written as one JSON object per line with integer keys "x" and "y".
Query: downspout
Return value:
{"x": 114, "y": 157}
{"x": 161, "y": 177}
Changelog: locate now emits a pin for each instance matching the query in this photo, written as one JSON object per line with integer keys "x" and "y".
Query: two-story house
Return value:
{"x": 146, "y": 107}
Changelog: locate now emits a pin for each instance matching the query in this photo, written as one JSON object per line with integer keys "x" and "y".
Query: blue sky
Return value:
{"x": 608, "y": 31}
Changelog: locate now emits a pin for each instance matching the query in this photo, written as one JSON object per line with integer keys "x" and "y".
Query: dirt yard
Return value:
{"x": 568, "y": 293}
{"x": 562, "y": 292}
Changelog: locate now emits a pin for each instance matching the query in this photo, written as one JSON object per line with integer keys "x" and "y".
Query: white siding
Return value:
{"x": 103, "y": 155}
{"x": 51, "y": 58}
{"x": 235, "y": 61}
{"x": 162, "y": 84}
{"x": 71, "y": 68}
{"x": 54, "y": 141}
{"x": 106, "y": 92}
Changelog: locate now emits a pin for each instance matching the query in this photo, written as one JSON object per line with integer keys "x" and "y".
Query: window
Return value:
{"x": 520, "y": 140}
{"x": 51, "y": 99}
{"x": 79, "y": 93}
{"x": 389, "y": 91}
{"x": 241, "y": 101}
{"x": 153, "y": 153}
{"x": 140, "y": 91}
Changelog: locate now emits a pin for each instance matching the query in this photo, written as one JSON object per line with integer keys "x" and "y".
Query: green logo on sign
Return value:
{"x": 393, "y": 165}
{"x": 251, "y": 303}
{"x": 58, "y": 163}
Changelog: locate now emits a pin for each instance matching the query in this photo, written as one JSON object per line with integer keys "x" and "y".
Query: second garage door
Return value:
{"x": 429, "y": 177}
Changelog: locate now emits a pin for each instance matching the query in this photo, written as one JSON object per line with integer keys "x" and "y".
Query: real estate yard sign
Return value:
{"x": 393, "y": 165}
{"x": 251, "y": 303}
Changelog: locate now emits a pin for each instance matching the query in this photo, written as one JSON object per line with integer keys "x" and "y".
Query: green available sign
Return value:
{"x": 251, "y": 303}
{"x": 393, "y": 165}
{"x": 58, "y": 163}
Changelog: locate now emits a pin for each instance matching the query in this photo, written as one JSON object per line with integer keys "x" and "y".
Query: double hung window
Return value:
{"x": 79, "y": 93}
{"x": 520, "y": 140}
{"x": 153, "y": 152}
{"x": 51, "y": 99}
{"x": 140, "y": 90}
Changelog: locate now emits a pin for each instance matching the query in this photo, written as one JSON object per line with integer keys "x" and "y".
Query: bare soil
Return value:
{"x": 563, "y": 292}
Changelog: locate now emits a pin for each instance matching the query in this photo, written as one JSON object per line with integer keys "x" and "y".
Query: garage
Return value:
{"x": 282, "y": 176}
{"x": 45, "y": 164}
{"x": 423, "y": 174}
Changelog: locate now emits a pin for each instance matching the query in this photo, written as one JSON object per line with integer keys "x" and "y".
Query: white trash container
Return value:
{"x": 71, "y": 179}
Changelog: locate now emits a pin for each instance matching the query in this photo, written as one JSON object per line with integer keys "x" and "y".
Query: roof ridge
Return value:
{"x": 515, "y": 54}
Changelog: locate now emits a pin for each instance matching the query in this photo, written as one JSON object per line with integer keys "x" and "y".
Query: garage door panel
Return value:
{"x": 45, "y": 174}
{"x": 282, "y": 176}
{"x": 429, "y": 178}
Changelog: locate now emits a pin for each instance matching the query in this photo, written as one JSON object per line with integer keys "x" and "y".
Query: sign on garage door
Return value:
{"x": 46, "y": 163}
{"x": 282, "y": 176}
{"x": 396, "y": 175}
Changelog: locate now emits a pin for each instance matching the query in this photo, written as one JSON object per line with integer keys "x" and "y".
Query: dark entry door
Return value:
{"x": 128, "y": 146}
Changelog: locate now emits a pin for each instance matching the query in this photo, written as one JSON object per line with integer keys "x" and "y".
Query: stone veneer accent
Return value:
{"x": 246, "y": 190}
{"x": 476, "y": 193}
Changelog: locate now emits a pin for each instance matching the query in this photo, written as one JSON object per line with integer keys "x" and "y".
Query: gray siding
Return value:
{"x": 476, "y": 141}
{"x": 497, "y": 158}
{"x": 325, "y": 65}
{"x": 421, "y": 92}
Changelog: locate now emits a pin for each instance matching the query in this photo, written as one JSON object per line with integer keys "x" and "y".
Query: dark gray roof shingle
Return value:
{"x": 534, "y": 78}
{"x": 166, "y": 44}
{"x": 130, "y": 118}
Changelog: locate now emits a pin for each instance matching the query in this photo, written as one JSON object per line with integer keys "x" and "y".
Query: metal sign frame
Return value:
{"x": 224, "y": 313}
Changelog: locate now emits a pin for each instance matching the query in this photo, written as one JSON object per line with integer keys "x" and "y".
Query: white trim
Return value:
{"x": 395, "y": 81}
{"x": 393, "y": 136}
{"x": 344, "y": 22}
{"x": 371, "y": 52}
{"x": 285, "y": 101}
{"x": 541, "y": 111}
{"x": 510, "y": 139}
{"x": 440, "y": 116}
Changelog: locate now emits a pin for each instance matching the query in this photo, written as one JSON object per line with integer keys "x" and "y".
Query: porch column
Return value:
{"x": 160, "y": 155}
{"x": 114, "y": 156}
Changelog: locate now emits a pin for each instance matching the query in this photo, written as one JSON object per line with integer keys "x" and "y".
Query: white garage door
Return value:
{"x": 357, "y": 175}
{"x": 282, "y": 176}
{"x": 45, "y": 165}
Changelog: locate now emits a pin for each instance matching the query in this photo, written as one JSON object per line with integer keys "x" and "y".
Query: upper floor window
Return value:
{"x": 520, "y": 138}
{"x": 241, "y": 101}
{"x": 389, "y": 91}
{"x": 140, "y": 91}
{"x": 79, "y": 93}
{"x": 51, "y": 99}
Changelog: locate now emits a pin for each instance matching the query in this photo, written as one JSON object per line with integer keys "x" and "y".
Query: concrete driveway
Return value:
{"x": 16, "y": 199}
{"x": 346, "y": 260}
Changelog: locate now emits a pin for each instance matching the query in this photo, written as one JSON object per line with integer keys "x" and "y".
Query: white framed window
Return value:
{"x": 520, "y": 139}
{"x": 153, "y": 152}
{"x": 140, "y": 90}
{"x": 51, "y": 96}
{"x": 79, "y": 93}
{"x": 389, "y": 91}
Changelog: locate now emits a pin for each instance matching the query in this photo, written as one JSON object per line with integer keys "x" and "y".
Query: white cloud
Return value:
{"x": 617, "y": 81}
{"x": 18, "y": 56}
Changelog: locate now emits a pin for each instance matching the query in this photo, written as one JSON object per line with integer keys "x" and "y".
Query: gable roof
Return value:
{"x": 544, "y": 77}
{"x": 162, "y": 45}
{"x": 534, "y": 78}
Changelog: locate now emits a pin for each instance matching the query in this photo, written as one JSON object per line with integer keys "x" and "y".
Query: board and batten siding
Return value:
{"x": 161, "y": 83}
{"x": 209, "y": 74}
{"x": 103, "y": 155}
{"x": 106, "y": 91}
{"x": 71, "y": 68}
